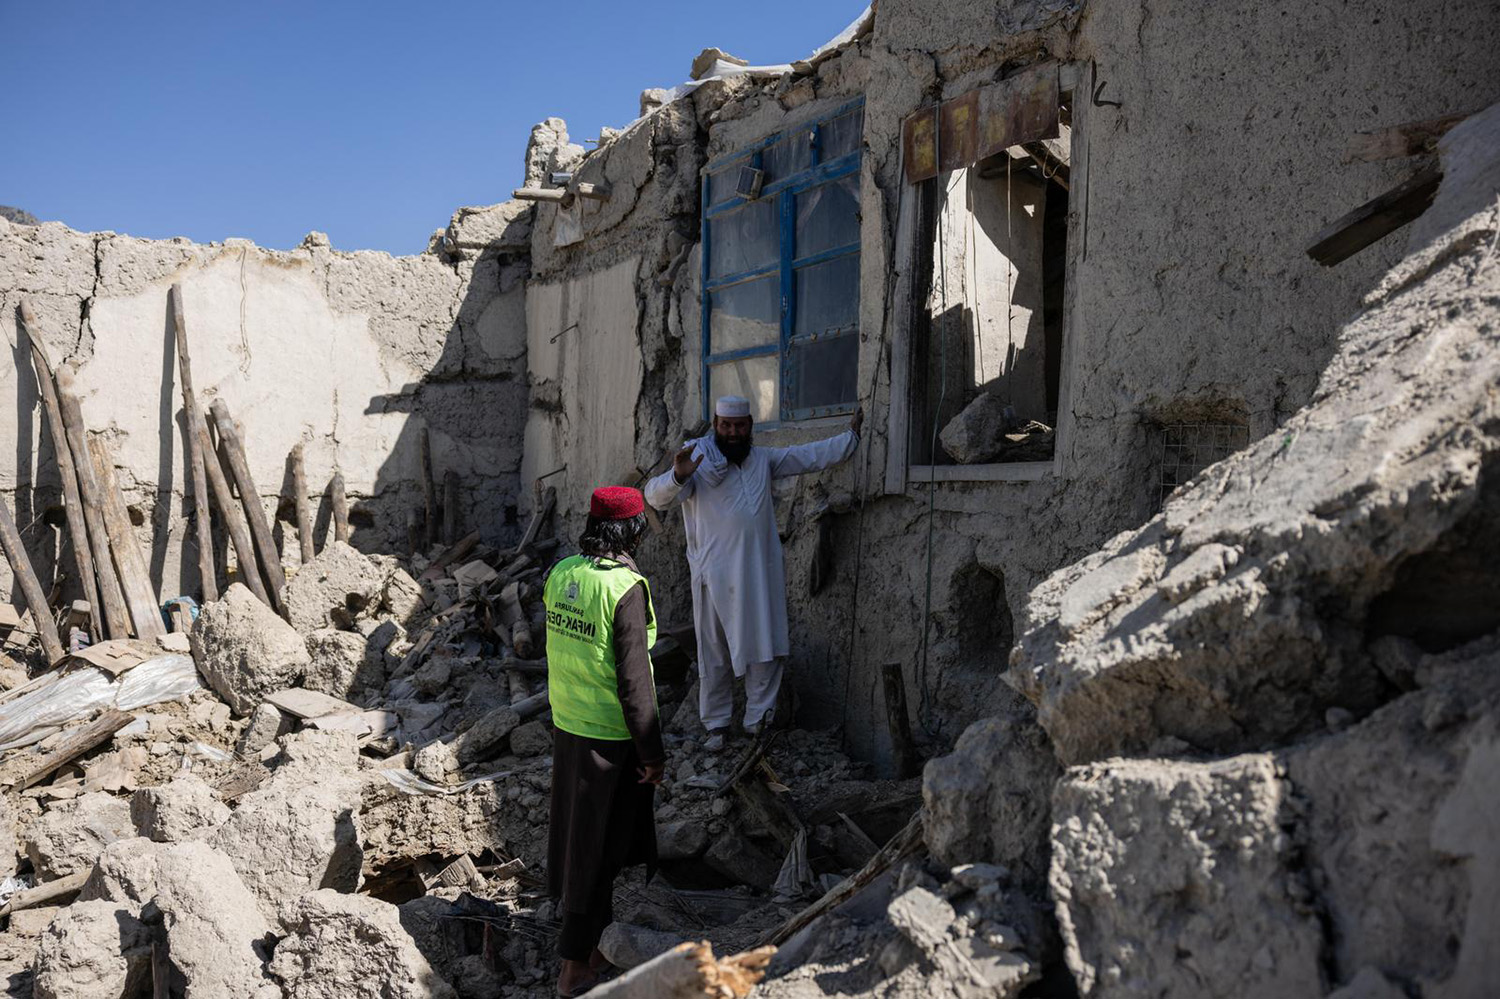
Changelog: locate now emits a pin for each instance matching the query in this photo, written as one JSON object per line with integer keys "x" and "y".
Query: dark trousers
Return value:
{"x": 581, "y": 930}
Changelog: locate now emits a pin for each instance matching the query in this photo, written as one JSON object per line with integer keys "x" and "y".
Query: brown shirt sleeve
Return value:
{"x": 633, "y": 676}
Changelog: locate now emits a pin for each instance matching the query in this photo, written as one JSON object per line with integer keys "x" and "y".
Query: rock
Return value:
{"x": 184, "y": 808}
{"x": 69, "y": 836}
{"x": 531, "y": 738}
{"x": 741, "y": 860}
{"x": 435, "y": 761}
{"x": 1176, "y": 879}
{"x": 10, "y": 847}
{"x": 341, "y": 946}
{"x": 245, "y": 651}
{"x": 1372, "y": 512}
{"x": 972, "y": 967}
{"x": 548, "y": 150}
{"x": 681, "y": 840}
{"x": 125, "y": 872}
{"x": 704, "y": 61}
{"x": 333, "y": 590}
{"x": 402, "y": 597}
{"x": 1368, "y": 983}
{"x": 483, "y": 738}
{"x": 506, "y": 226}
{"x": 977, "y": 433}
{"x": 300, "y": 829}
{"x": 216, "y": 937}
{"x": 92, "y": 950}
{"x": 628, "y": 946}
{"x": 266, "y": 723}
{"x": 990, "y": 799}
{"x": 341, "y": 664}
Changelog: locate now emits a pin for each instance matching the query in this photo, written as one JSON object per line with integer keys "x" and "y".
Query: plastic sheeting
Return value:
{"x": 77, "y": 693}
{"x": 409, "y": 783}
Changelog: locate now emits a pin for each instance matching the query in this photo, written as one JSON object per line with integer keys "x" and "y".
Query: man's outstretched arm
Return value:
{"x": 818, "y": 455}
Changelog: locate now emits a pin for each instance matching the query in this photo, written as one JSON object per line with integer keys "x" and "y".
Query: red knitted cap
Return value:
{"x": 616, "y": 503}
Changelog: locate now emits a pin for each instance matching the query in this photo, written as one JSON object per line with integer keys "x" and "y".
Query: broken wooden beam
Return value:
{"x": 135, "y": 578}
{"x": 690, "y": 971}
{"x": 556, "y": 195}
{"x": 898, "y": 724}
{"x": 46, "y": 893}
{"x": 83, "y": 556}
{"x": 1411, "y": 138}
{"x": 73, "y": 745}
{"x": 194, "y": 449}
{"x": 31, "y": 587}
{"x": 593, "y": 192}
{"x": 116, "y": 618}
{"x": 429, "y": 488}
{"x": 234, "y": 516}
{"x": 338, "y": 500}
{"x": 547, "y": 499}
{"x": 1379, "y": 217}
{"x": 301, "y": 505}
{"x": 450, "y": 507}
{"x": 255, "y": 512}
{"x": 513, "y": 616}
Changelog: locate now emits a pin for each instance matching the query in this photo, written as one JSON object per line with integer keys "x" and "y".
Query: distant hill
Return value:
{"x": 18, "y": 216}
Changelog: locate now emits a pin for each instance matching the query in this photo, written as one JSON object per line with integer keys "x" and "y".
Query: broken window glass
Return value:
{"x": 745, "y": 315}
{"x": 744, "y": 239}
{"x": 790, "y": 156}
{"x": 828, "y": 216}
{"x": 842, "y": 135}
{"x": 827, "y": 297}
{"x": 822, "y": 375}
{"x": 756, "y": 378}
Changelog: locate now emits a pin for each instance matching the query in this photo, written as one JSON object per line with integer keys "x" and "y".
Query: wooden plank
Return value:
{"x": 242, "y": 780}
{"x": 135, "y": 578}
{"x": 439, "y": 565}
{"x": 554, "y": 194}
{"x": 31, "y": 587}
{"x": 690, "y": 971}
{"x": 898, "y": 724}
{"x": 46, "y": 893}
{"x": 1379, "y": 217}
{"x": 429, "y": 488}
{"x": 1018, "y": 110}
{"x": 450, "y": 507}
{"x": 116, "y": 617}
{"x": 543, "y": 510}
{"x": 338, "y": 499}
{"x": 919, "y": 145}
{"x": 83, "y": 556}
{"x": 958, "y": 132}
{"x": 903, "y": 843}
{"x": 192, "y": 416}
{"x": 303, "y": 507}
{"x": 1412, "y": 138}
{"x": 117, "y": 655}
{"x": 233, "y": 516}
{"x": 74, "y": 745}
{"x": 260, "y": 528}
{"x": 308, "y": 703}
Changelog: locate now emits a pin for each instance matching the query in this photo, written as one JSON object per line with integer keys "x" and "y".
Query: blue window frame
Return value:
{"x": 781, "y": 272}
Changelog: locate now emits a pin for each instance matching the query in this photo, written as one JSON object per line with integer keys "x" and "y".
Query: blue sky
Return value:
{"x": 370, "y": 121}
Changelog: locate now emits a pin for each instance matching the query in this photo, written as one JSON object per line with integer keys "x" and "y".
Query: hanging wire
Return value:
{"x": 859, "y": 547}
{"x": 1010, "y": 298}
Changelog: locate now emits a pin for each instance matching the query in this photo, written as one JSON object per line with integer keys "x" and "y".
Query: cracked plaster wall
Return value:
{"x": 349, "y": 353}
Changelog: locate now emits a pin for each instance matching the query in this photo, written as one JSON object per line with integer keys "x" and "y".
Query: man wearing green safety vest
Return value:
{"x": 607, "y": 755}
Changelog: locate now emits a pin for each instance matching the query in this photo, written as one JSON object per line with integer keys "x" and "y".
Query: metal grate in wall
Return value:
{"x": 1189, "y": 448}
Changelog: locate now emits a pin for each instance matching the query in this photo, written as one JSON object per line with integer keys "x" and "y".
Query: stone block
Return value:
{"x": 245, "y": 651}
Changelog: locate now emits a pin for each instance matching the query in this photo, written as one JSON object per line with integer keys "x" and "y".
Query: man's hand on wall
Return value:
{"x": 684, "y": 464}
{"x": 858, "y": 419}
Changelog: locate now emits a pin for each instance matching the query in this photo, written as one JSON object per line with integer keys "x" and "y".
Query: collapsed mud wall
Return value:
{"x": 349, "y": 354}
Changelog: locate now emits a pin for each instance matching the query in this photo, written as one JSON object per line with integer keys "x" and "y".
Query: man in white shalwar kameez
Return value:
{"x": 735, "y": 558}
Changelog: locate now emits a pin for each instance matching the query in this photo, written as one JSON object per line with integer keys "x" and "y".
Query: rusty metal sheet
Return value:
{"x": 958, "y": 131}
{"x": 1022, "y": 108}
{"x": 919, "y": 139}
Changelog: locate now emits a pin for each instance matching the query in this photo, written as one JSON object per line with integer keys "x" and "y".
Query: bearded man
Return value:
{"x": 723, "y": 482}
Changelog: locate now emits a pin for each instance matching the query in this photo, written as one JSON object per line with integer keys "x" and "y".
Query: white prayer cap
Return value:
{"x": 732, "y": 405}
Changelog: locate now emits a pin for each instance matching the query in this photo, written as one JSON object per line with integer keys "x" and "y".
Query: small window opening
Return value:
{"x": 988, "y": 333}
{"x": 1188, "y": 448}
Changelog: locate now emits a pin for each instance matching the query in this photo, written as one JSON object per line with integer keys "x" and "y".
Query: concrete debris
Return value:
{"x": 69, "y": 836}
{"x": 266, "y": 723}
{"x": 343, "y": 665}
{"x": 92, "y": 950}
{"x": 533, "y": 738}
{"x": 245, "y": 651}
{"x": 184, "y": 808}
{"x": 987, "y": 430}
{"x": 627, "y": 946}
{"x": 10, "y": 847}
{"x": 485, "y": 734}
{"x": 339, "y": 946}
{"x": 335, "y": 590}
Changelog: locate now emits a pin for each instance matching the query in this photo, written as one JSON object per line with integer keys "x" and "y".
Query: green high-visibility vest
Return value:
{"x": 580, "y": 597}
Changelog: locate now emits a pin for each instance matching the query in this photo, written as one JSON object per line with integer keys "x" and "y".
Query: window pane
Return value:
{"x": 721, "y": 184}
{"x": 744, "y": 239}
{"x": 827, "y": 296}
{"x": 789, "y": 156}
{"x": 745, "y": 315}
{"x": 823, "y": 373}
{"x": 841, "y": 136}
{"x": 755, "y": 378}
{"x": 828, "y": 216}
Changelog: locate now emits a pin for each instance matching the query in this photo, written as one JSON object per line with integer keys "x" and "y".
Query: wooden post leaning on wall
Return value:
{"x": 450, "y": 508}
{"x": 260, "y": 528}
{"x": 193, "y": 450}
{"x": 303, "y": 508}
{"x": 111, "y": 598}
{"x": 135, "y": 579}
{"x": 339, "y": 501}
{"x": 83, "y": 557}
{"x": 903, "y": 747}
{"x": 31, "y": 587}
{"x": 234, "y": 517}
{"x": 429, "y": 489}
